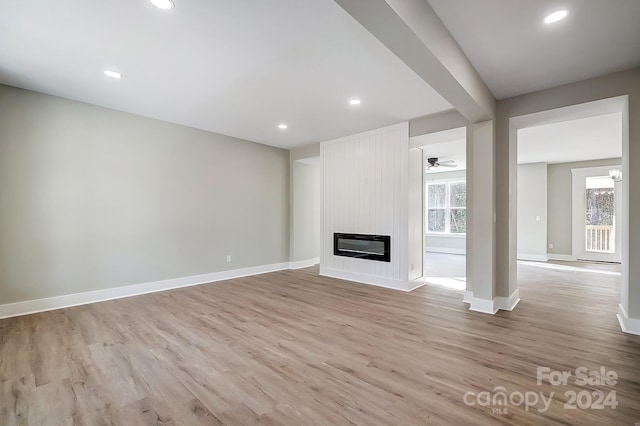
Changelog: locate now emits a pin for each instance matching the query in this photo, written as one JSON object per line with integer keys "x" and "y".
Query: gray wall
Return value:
{"x": 93, "y": 198}
{"x": 559, "y": 201}
{"x": 532, "y": 211}
{"x": 625, "y": 83}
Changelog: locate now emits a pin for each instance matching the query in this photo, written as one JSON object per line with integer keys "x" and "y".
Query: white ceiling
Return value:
{"x": 515, "y": 52}
{"x": 233, "y": 67}
{"x": 583, "y": 139}
{"x": 445, "y": 145}
{"x": 591, "y": 138}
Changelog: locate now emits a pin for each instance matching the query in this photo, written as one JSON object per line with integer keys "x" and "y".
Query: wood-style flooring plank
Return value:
{"x": 292, "y": 348}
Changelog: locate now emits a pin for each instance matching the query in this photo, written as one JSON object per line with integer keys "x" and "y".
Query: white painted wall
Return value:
{"x": 306, "y": 210}
{"x": 445, "y": 243}
{"x": 458, "y": 175}
{"x": 532, "y": 211}
{"x": 416, "y": 213}
{"x": 365, "y": 190}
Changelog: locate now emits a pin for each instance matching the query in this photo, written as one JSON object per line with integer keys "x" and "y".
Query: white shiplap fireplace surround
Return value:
{"x": 372, "y": 184}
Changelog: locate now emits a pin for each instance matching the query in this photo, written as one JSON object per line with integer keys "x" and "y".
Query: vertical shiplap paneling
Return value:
{"x": 365, "y": 191}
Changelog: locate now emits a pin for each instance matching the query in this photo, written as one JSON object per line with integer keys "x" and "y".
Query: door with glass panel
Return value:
{"x": 597, "y": 201}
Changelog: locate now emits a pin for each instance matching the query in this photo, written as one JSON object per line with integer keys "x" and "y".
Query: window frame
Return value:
{"x": 447, "y": 207}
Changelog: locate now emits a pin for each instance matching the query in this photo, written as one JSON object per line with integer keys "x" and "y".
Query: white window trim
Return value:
{"x": 447, "y": 217}
{"x": 445, "y": 235}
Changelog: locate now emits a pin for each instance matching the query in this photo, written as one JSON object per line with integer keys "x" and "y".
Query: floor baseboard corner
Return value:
{"x": 508, "y": 303}
{"x": 484, "y": 306}
{"x": 628, "y": 325}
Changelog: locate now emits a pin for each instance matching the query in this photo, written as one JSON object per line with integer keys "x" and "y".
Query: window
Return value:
{"x": 446, "y": 207}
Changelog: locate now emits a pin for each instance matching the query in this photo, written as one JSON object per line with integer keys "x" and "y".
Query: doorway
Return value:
{"x": 445, "y": 202}
{"x": 597, "y": 210}
{"x": 583, "y": 148}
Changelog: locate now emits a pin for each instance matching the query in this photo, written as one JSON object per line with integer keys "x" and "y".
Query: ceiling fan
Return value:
{"x": 434, "y": 163}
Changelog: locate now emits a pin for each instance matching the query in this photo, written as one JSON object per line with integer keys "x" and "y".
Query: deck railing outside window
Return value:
{"x": 600, "y": 239}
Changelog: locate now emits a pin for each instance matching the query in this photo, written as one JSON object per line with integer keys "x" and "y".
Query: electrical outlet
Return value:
{"x": 228, "y": 258}
{"x": 537, "y": 218}
{"x": 550, "y": 245}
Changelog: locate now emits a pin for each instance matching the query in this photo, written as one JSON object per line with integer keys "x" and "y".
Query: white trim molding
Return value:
{"x": 508, "y": 303}
{"x": 533, "y": 257}
{"x": 428, "y": 235}
{"x": 68, "y": 300}
{"x": 445, "y": 250}
{"x": 414, "y": 284}
{"x": 561, "y": 257}
{"x": 366, "y": 279}
{"x": 304, "y": 263}
{"x": 487, "y": 306}
{"x": 628, "y": 325}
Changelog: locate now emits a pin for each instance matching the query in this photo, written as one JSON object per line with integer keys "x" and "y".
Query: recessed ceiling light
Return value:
{"x": 282, "y": 126}
{"x": 112, "y": 74}
{"x": 556, "y": 16}
{"x": 163, "y": 4}
{"x": 354, "y": 101}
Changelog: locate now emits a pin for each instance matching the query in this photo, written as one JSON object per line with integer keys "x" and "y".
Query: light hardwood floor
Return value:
{"x": 294, "y": 348}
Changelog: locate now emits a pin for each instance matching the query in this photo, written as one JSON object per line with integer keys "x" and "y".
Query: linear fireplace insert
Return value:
{"x": 363, "y": 246}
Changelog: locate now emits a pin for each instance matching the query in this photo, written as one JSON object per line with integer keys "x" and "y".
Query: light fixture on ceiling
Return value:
{"x": 163, "y": 4}
{"x": 354, "y": 102}
{"x": 282, "y": 126}
{"x": 113, "y": 74}
{"x": 556, "y": 16}
{"x": 616, "y": 175}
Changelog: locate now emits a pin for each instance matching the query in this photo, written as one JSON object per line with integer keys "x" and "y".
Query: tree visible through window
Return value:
{"x": 436, "y": 204}
{"x": 446, "y": 207}
{"x": 600, "y": 206}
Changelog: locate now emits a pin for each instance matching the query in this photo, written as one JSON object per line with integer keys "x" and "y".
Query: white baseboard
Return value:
{"x": 562, "y": 257}
{"x": 533, "y": 257}
{"x": 414, "y": 284}
{"x": 508, "y": 303}
{"x": 628, "y": 325}
{"x": 304, "y": 263}
{"x": 487, "y": 306}
{"x": 445, "y": 250}
{"x": 68, "y": 300}
{"x": 365, "y": 279}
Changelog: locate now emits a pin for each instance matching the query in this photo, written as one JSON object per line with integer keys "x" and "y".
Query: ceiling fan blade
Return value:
{"x": 448, "y": 165}
{"x": 446, "y": 161}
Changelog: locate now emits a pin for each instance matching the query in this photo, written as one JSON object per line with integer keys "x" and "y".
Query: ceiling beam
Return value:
{"x": 414, "y": 33}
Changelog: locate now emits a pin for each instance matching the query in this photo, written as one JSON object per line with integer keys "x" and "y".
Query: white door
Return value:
{"x": 597, "y": 202}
